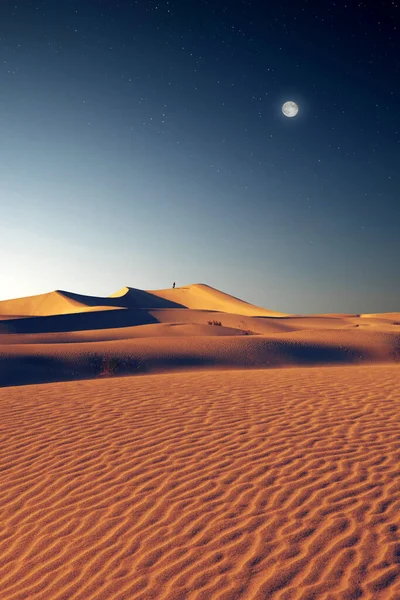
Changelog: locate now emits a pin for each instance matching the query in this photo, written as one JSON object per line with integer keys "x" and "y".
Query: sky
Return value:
{"x": 143, "y": 142}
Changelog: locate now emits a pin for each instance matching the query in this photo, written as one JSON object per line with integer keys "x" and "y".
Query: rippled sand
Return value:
{"x": 279, "y": 483}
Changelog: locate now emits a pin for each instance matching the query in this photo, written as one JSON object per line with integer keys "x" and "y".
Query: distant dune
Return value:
{"x": 197, "y": 296}
{"x": 63, "y": 335}
{"x": 53, "y": 303}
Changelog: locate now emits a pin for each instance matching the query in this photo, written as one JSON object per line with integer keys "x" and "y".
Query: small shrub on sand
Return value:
{"x": 107, "y": 366}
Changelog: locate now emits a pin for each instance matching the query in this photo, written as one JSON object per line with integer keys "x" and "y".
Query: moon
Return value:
{"x": 290, "y": 109}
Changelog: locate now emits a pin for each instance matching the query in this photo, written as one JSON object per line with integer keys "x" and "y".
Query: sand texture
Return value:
{"x": 279, "y": 483}
{"x": 183, "y": 444}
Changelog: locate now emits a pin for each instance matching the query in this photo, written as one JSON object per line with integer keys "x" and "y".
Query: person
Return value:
{"x": 173, "y": 285}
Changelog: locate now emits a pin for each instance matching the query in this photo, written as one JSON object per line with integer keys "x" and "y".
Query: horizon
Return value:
{"x": 146, "y": 143}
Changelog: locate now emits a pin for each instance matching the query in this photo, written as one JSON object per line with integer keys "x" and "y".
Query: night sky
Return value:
{"x": 144, "y": 143}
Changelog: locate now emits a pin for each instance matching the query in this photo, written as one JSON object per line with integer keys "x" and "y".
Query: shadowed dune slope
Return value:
{"x": 160, "y": 348}
{"x": 256, "y": 485}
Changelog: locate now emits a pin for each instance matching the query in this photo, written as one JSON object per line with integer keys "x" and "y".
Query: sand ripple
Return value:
{"x": 248, "y": 484}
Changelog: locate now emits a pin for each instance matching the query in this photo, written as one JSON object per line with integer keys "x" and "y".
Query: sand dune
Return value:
{"x": 53, "y": 303}
{"x": 272, "y": 484}
{"x": 54, "y": 361}
{"x": 71, "y": 336}
{"x": 125, "y": 318}
{"x": 392, "y": 316}
{"x": 196, "y": 296}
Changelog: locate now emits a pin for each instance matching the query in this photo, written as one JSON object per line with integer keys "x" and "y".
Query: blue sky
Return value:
{"x": 142, "y": 145}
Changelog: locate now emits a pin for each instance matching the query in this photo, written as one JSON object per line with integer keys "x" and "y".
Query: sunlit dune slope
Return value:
{"x": 52, "y": 303}
{"x": 392, "y": 316}
{"x": 261, "y": 485}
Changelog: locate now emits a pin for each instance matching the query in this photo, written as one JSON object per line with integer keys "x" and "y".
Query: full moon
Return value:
{"x": 290, "y": 109}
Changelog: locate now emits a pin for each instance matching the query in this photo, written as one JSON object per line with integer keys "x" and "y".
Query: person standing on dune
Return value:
{"x": 173, "y": 285}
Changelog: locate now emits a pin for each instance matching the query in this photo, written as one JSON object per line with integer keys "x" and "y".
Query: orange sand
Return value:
{"x": 228, "y": 485}
{"x": 219, "y": 483}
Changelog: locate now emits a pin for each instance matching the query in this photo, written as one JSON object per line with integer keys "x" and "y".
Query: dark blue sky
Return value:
{"x": 143, "y": 142}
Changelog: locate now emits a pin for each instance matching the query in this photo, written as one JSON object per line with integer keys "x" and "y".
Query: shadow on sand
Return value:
{"x": 133, "y": 298}
{"x": 28, "y": 370}
{"x": 102, "y": 319}
{"x": 25, "y": 369}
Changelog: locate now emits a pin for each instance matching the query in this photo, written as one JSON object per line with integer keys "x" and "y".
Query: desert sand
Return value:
{"x": 61, "y": 335}
{"x": 184, "y": 444}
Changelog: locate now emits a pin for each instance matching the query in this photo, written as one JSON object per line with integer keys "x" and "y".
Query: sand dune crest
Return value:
{"x": 203, "y": 297}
